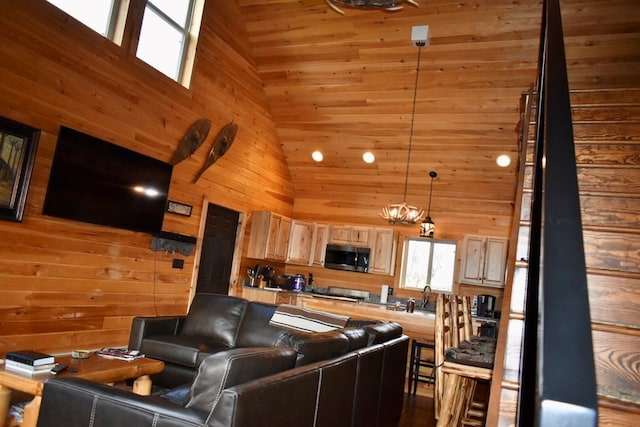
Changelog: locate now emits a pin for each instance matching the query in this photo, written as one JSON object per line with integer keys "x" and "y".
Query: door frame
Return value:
{"x": 237, "y": 250}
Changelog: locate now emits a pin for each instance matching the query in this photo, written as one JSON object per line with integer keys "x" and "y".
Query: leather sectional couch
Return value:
{"x": 226, "y": 365}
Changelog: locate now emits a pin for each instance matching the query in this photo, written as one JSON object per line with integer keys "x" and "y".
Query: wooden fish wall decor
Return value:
{"x": 388, "y": 5}
{"x": 192, "y": 139}
{"x": 220, "y": 145}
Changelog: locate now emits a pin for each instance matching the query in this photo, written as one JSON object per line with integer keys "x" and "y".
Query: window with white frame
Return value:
{"x": 99, "y": 15}
{"x": 164, "y": 35}
{"x": 167, "y": 38}
{"x": 428, "y": 262}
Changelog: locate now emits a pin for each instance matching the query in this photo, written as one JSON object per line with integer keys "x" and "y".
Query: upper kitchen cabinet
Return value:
{"x": 350, "y": 235}
{"x": 383, "y": 248}
{"x": 320, "y": 238}
{"x": 301, "y": 242}
{"x": 484, "y": 260}
{"x": 269, "y": 236}
{"x": 307, "y": 243}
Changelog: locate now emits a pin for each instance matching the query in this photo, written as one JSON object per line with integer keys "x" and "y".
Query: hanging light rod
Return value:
{"x": 403, "y": 213}
{"x": 388, "y": 5}
{"x": 428, "y": 227}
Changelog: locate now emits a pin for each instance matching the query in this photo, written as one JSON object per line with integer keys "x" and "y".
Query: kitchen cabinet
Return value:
{"x": 383, "y": 248}
{"x": 307, "y": 243}
{"x": 269, "y": 236}
{"x": 300, "y": 242}
{"x": 484, "y": 260}
{"x": 270, "y": 296}
{"x": 350, "y": 235}
{"x": 320, "y": 238}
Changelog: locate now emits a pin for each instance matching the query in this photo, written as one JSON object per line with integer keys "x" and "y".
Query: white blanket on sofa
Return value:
{"x": 305, "y": 320}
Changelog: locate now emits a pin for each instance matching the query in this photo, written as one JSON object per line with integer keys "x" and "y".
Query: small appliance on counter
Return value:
{"x": 486, "y": 306}
{"x": 282, "y": 281}
{"x": 298, "y": 283}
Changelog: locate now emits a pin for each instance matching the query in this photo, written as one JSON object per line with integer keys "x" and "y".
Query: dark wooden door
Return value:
{"x": 217, "y": 250}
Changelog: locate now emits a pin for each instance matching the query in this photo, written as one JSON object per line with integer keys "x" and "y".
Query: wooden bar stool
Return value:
{"x": 418, "y": 360}
{"x": 457, "y": 376}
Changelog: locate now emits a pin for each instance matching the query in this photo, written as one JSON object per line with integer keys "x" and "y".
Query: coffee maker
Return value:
{"x": 486, "y": 305}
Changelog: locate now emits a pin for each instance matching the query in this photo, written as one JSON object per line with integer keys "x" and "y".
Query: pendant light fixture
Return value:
{"x": 428, "y": 227}
{"x": 403, "y": 213}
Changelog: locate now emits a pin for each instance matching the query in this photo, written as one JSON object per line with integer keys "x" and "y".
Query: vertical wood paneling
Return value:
{"x": 607, "y": 178}
{"x": 295, "y": 76}
{"x": 66, "y": 284}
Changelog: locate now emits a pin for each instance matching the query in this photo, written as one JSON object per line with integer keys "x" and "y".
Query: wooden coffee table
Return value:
{"x": 95, "y": 368}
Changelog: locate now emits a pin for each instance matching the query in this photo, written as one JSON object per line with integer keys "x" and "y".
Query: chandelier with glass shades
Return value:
{"x": 403, "y": 213}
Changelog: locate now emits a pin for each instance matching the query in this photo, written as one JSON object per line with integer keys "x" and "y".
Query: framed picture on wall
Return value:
{"x": 18, "y": 145}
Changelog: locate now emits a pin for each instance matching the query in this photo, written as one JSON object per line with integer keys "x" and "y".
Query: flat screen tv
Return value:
{"x": 98, "y": 182}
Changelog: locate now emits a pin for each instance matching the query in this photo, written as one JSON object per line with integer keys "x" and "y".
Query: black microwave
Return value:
{"x": 350, "y": 258}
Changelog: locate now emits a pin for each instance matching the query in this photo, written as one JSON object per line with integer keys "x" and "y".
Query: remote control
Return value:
{"x": 58, "y": 368}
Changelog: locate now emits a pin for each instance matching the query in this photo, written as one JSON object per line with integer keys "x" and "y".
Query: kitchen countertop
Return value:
{"x": 395, "y": 307}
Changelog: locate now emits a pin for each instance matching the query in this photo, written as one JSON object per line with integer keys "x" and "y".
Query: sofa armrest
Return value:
{"x": 142, "y": 327}
{"x": 76, "y": 402}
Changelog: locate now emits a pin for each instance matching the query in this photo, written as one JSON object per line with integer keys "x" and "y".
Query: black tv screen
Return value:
{"x": 98, "y": 182}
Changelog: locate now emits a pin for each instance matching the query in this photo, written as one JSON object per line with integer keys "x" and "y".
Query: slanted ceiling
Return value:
{"x": 343, "y": 84}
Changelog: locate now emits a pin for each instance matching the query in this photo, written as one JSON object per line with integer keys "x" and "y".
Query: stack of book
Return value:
{"x": 29, "y": 362}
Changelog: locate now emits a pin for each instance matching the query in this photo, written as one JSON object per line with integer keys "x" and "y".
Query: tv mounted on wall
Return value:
{"x": 101, "y": 183}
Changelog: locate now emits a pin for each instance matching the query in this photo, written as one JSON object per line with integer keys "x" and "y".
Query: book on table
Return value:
{"x": 30, "y": 357}
{"x": 12, "y": 365}
{"x": 119, "y": 353}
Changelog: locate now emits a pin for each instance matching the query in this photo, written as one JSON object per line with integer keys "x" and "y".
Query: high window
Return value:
{"x": 168, "y": 31}
{"x": 428, "y": 262}
{"x": 99, "y": 15}
{"x": 164, "y": 35}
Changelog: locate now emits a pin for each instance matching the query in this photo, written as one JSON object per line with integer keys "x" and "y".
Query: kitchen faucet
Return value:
{"x": 426, "y": 292}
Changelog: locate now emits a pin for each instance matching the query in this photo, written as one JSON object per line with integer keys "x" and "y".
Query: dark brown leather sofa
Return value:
{"x": 234, "y": 369}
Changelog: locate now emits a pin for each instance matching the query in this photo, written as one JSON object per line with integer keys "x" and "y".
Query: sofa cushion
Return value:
{"x": 236, "y": 366}
{"x": 305, "y": 320}
{"x": 381, "y": 332}
{"x": 255, "y": 330}
{"x": 187, "y": 350}
{"x": 355, "y": 322}
{"x": 216, "y": 317}
{"x": 314, "y": 347}
{"x": 357, "y": 337}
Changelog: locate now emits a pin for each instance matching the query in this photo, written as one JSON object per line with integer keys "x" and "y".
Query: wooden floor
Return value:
{"x": 417, "y": 412}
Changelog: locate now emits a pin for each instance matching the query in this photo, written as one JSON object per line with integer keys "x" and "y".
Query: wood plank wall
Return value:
{"x": 341, "y": 83}
{"x": 64, "y": 284}
{"x": 606, "y": 126}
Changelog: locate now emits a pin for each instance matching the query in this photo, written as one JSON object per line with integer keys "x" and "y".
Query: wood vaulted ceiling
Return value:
{"x": 344, "y": 84}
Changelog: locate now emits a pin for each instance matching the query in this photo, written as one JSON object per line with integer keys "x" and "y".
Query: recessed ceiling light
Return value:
{"x": 503, "y": 160}
{"x": 317, "y": 156}
{"x": 368, "y": 157}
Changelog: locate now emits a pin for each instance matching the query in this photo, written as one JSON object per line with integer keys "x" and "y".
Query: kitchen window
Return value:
{"x": 428, "y": 262}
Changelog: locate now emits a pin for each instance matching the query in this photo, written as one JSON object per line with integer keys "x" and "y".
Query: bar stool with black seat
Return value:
{"x": 458, "y": 371}
{"x": 420, "y": 359}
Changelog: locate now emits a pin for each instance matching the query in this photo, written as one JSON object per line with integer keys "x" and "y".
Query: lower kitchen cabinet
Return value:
{"x": 270, "y": 296}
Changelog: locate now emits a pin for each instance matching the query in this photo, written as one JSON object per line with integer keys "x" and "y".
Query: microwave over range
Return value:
{"x": 350, "y": 258}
